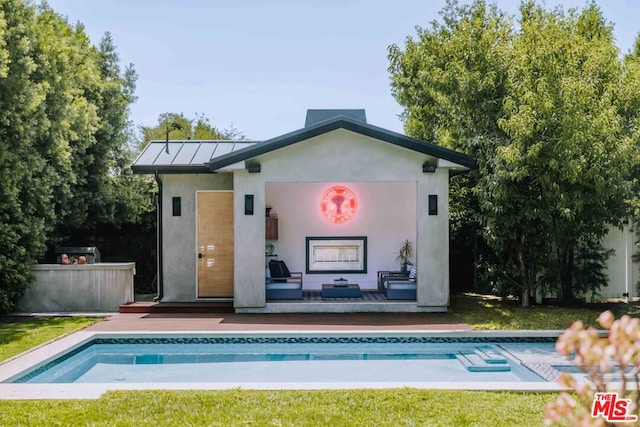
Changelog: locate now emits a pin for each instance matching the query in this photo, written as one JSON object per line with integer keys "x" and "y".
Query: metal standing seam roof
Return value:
{"x": 183, "y": 156}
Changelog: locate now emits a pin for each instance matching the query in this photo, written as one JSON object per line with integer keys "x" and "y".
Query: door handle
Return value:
{"x": 200, "y": 255}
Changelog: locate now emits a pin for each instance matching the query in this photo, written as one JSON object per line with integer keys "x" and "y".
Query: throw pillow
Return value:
{"x": 413, "y": 273}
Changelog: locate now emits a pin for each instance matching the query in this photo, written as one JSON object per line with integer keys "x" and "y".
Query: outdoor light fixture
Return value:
{"x": 429, "y": 167}
{"x": 253, "y": 167}
{"x": 338, "y": 204}
{"x": 433, "y": 204}
{"x": 248, "y": 204}
{"x": 177, "y": 206}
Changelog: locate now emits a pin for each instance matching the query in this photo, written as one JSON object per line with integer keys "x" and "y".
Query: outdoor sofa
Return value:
{"x": 282, "y": 283}
{"x": 397, "y": 285}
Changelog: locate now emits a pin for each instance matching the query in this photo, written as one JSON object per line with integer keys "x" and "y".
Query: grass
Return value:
{"x": 19, "y": 334}
{"x": 391, "y": 407}
{"x": 489, "y": 312}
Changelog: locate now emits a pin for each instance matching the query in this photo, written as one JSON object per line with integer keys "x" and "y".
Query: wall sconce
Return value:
{"x": 433, "y": 204}
{"x": 248, "y": 204}
{"x": 177, "y": 206}
{"x": 428, "y": 167}
{"x": 253, "y": 167}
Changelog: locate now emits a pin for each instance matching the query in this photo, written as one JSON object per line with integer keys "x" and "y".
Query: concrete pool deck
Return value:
{"x": 119, "y": 325}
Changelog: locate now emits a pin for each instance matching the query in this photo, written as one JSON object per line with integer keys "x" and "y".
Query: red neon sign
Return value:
{"x": 338, "y": 204}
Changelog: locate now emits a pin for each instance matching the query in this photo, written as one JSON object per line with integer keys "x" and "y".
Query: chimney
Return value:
{"x": 317, "y": 116}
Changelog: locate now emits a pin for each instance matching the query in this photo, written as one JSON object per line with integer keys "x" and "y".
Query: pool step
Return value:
{"x": 475, "y": 363}
{"x": 490, "y": 356}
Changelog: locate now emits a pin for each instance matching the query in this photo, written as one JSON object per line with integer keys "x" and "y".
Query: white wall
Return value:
{"x": 342, "y": 156}
{"x": 386, "y": 215}
{"x": 623, "y": 273}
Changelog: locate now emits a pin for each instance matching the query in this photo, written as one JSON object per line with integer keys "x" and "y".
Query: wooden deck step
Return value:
{"x": 178, "y": 307}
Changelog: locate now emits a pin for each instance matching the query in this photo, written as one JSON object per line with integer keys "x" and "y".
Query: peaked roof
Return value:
{"x": 347, "y": 123}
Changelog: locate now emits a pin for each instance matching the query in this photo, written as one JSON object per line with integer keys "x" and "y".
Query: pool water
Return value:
{"x": 582, "y": 375}
{"x": 282, "y": 360}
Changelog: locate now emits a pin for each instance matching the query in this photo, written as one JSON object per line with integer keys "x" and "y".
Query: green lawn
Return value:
{"x": 486, "y": 312}
{"x": 396, "y": 407}
{"x": 19, "y": 334}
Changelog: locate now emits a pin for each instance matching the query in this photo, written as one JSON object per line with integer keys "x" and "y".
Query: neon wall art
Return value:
{"x": 338, "y": 204}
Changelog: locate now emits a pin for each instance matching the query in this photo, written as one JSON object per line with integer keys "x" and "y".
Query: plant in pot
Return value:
{"x": 404, "y": 255}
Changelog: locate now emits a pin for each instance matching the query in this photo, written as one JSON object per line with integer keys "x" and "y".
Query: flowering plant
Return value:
{"x": 610, "y": 362}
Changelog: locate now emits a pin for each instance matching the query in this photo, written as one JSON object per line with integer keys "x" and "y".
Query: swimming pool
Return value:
{"x": 295, "y": 359}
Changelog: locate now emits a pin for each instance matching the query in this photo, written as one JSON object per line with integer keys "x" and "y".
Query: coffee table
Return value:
{"x": 352, "y": 290}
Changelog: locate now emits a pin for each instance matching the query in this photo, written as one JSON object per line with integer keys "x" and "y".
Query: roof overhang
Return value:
{"x": 194, "y": 157}
{"x": 455, "y": 159}
{"x": 142, "y": 169}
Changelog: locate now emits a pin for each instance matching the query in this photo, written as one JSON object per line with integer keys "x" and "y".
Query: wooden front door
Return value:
{"x": 215, "y": 244}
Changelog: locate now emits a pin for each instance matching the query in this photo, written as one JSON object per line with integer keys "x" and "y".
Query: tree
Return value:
{"x": 566, "y": 131}
{"x": 177, "y": 126}
{"x": 27, "y": 177}
{"x": 64, "y": 132}
{"x": 629, "y": 107}
{"x": 540, "y": 110}
{"x": 451, "y": 81}
{"x": 105, "y": 190}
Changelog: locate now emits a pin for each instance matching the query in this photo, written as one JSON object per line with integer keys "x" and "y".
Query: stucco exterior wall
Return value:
{"x": 179, "y": 232}
{"x": 249, "y": 235}
{"x": 101, "y": 287}
{"x": 344, "y": 157}
{"x": 433, "y": 240}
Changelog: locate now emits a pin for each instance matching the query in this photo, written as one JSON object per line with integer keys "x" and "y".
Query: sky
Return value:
{"x": 258, "y": 65}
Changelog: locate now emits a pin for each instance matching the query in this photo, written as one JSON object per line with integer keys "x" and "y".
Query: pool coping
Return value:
{"x": 14, "y": 367}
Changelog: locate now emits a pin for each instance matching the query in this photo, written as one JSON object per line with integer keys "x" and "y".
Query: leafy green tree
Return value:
{"x": 629, "y": 107}
{"x": 34, "y": 159}
{"x": 64, "y": 139}
{"x": 452, "y": 81}
{"x": 178, "y": 127}
{"x": 452, "y": 78}
{"x": 67, "y": 68}
{"x": 566, "y": 132}
{"x": 540, "y": 109}
{"x": 105, "y": 188}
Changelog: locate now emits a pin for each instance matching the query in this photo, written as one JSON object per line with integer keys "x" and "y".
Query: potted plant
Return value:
{"x": 404, "y": 255}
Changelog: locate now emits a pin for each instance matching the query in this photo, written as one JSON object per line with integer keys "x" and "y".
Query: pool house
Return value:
{"x": 306, "y": 221}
